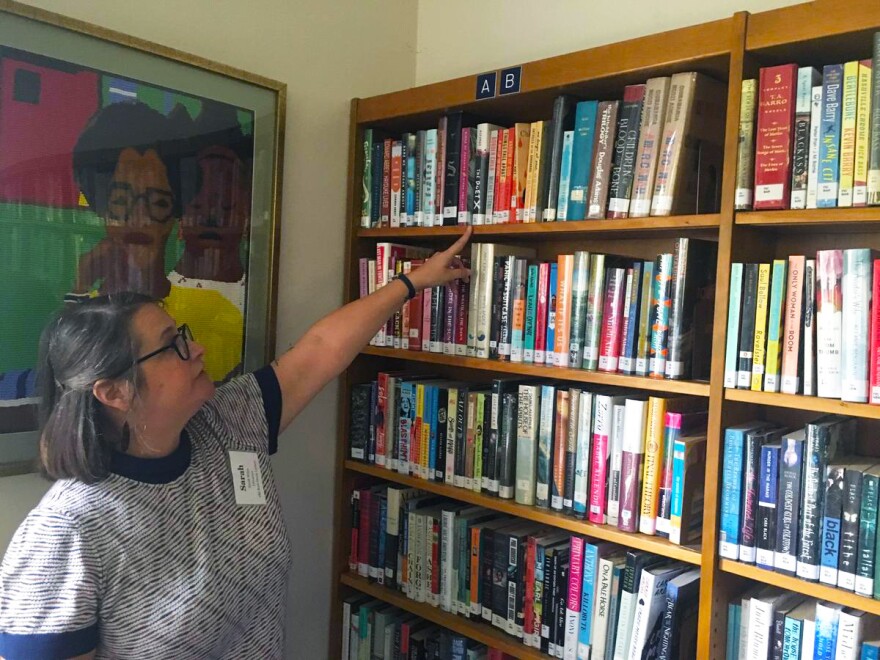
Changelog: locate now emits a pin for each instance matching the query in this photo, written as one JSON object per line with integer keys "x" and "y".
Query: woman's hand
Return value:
{"x": 443, "y": 267}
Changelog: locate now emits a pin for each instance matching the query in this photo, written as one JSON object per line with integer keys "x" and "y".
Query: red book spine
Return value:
{"x": 364, "y": 534}
{"x": 463, "y": 173}
{"x": 611, "y": 320}
{"x": 509, "y": 183}
{"x": 461, "y": 317}
{"x": 385, "y": 208}
{"x": 529, "y": 607}
{"x": 599, "y": 476}
{"x": 875, "y": 336}
{"x": 449, "y": 319}
{"x": 355, "y": 547}
{"x": 435, "y": 558}
{"x": 416, "y": 307}
{"x": 427, "y": 295}
{"x": 773, "y": 142}
{"x": 541, "y": 312}
{"x": 500, "y": 201}
{"x": 405, "y": 313}
{"x": 630, "y": 491}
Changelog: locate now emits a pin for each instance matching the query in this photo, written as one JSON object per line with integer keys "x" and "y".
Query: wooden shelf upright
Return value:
{"x": 731, "y": 49}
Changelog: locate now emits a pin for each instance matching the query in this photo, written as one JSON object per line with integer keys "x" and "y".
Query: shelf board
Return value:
{"x": 653, "y": 544}
{"x": 476, "y": 630}
{"x": 811, "y": 589}
{"x": 799, "y": 402}
{"x": 681, "y": 387}
{"x": 865, "y": 218}
{"x": 604, "y": 228}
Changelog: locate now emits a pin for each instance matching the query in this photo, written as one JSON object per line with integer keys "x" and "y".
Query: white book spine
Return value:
{"x": 733, "y": 314}
{"x": 452, "y": 422}
{"x": 760, "y": 620}
{"x": 849, "y": 636}
{"x": 599, "y": 633}
{"x": 484, "y": 305}
{"x": 526, "y": 444}
{"x": 815, "y": 138}
{"x": 429, "y": 180}
{"x": 857, "y": 274}
{"x": 624, "y": 624}
{"x": 490, "y": 179}
{"x": 447, "y": 525}
{"x": 346, "y": 630}
{"x": 616, "y": 463}
{"x": 473, "y": 301}
{"x": 582, "y": 460}
{"x": 808, "y": 639}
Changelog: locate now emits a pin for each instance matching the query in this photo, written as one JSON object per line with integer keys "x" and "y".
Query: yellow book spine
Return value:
{"x": 653, "y": 460}
{"x": 848, "y": 133}
{"x": 425, "y": 461}
{"x": 863, "y": 135}
{"x": 520, "y": 170}
{"x": 531, "y": 197}
{"x": 759, "y": 350}
{"x": 416, "y": 466}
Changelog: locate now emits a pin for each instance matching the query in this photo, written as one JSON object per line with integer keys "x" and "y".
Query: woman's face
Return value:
{"x": 173, "y": 389}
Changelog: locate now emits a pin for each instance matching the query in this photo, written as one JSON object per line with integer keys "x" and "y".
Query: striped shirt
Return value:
{"x": 158, "y": 560}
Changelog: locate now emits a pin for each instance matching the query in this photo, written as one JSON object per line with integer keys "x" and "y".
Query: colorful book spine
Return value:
{"x": 765, "y": 528}
{"x": 849, "y": 103}
{"x": 492, "y": 175}
{"x": 630, "y": 339}
{"x": 551, "y": 314}
{"x": 595, "y": 309}
{"x": 652, "y": 465}
{"x": 745, "y": 148}
{"x": 867, "y": 533}
{"x": 759, "y": 344}
{"x": 660, "y": 304}
{"x": 517, "y": 338}
{"x": 776, "y": 106}
{"x": 731, "y": 492}
{"x": 530, "y": 314}
{"x": 582, "y": 158}
{"x": 597, "y": 200}
{"x": 653, "y": 119}
{"x": 541, "y": 310}
{"x": 396, "y": 182}
{"x": 429, "y": 179}
{"x": 631, "y": 465}
{"x": 829, "y": 146}
{"x": 807, "y": 77}
{"x": 731, "y": 354}
{"x": 544, "y": 467}
{"x": 792, "y": 357}
{"x": 580, "y": 280}
{"x": 565, "y": 277}
{"x": 645, "y": 312}
{"x": 829, "y": 317}
{"x": 367, "y": 187}
{"x": 589, "y": 607}
{"x": 815, "y": 141}
{"x": 612, "y": 320}
{"x": 778, "y": 288}
{"x": 863, "y": 135}
{"x": 601, "y": 431}
{"x": 573, "y": 602}
{"x": 565, "y": 176}
{"x": 832, "y": 519}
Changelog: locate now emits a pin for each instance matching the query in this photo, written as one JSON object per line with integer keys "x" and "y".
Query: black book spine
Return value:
{"x": 358, "y": 433}
{"x": 499, "y": 580}
{"x": 816, "y": 455}
{"x": 765, "y": 524}
{"x": 849, "y": 528}
{"x": 490, "y": 467}
{"x": 355, "y": 529}
{"x": 541, "y": 198}
{"x": 561, "y": 112}
{"x": 486, "y": 421}
{"x": 747, "y": 544}
{"x": 521, "y": 548}
{"x": 376, "y": 180}
{"x": 777, "y": 634}
{"x": 571, "y": 451}
{"x": 438, "y": 313}
{"x": 747, "y": 326}
{"x": 487, "y": 571}
{"x": 498, "y": 277}
{"x": 547, "y": 599}
{"x": 561, "y": 598}
{"x": 405, "y": 146}
{"x": 375, "y": 514}
{"x": 867, "y": 534}
{"x": 553, "y": 610}
{"x": 453, "y": 164}
{"x": 513, "y": 579}
{"x": 800, "y": 155}
{"x": 419, "y": 159}
{"x": 505, "y": 328}
{"x": 507, "y": 447}
{"x": 371, "y": 427}
{"x": 473, "y": 165}
{"x": 481, "y": 175}
{"x": 461, "y": 409}
{"x": 440, "y": 459}
{"x": 791, "y": 463}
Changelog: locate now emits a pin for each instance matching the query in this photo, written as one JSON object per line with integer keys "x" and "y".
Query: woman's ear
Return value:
{"x": 114, "y": 393}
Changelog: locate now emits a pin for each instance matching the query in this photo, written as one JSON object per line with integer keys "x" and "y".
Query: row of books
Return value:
{"x": 656, "y": 152}
{"x": 557, "y": 592}
{"x": 374, "y": 630}
{"x": 585, "y": 310}
{"x": 816, "y": 141}
{"x": 806, "y": 326}
{"x": 632, "y": 462}
{"x": 799, "y": 502}
{"x": 766, "y": 622}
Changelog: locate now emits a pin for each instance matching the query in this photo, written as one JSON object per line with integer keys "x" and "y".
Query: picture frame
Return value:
{"x": 128, "y": 165}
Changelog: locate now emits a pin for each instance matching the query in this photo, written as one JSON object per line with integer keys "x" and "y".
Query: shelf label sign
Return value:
{"x": 486, "y": 85}
{"x": 510, "y": 80}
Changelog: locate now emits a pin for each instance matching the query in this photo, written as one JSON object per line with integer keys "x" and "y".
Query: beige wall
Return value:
{"x": 327, "y": 51}
{"x": 462, "y": 37}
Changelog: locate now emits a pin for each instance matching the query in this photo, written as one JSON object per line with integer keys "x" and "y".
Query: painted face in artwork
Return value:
{"x": 218, "y": 215}
{"x": 140, "y": 203}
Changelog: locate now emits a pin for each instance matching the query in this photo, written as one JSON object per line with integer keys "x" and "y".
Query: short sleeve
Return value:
{"x": 49, "y": 590}
{"x": 249, "y": 410}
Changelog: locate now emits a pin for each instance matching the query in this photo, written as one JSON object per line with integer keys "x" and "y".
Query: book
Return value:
{"x": 528, "y": 410}
{"x": 732, "y": 488}
{"x": 832, "y": 520}
{"x": 792, "y": 347}
{"x": 760, "y": 342}
{"x": 745, "y": 146}
{"x": 647, "y": 154}
{"x": 606, "y": 123}
{"x": 582, "y": 159}
{"x": 791, "y": 464}
{"x": 807, "y": 78}
{"x": 686, "y": 506}
{"x": 565, "y": 277}
{"x": 631, "y": 466}
{"x": 849, "y": 100}
{"x": 595, "y": 312}
{"x": 863, "y": 139}
{"x": 829, "y": 145}
{"x": 815, "y": 140}
{"x": 579, "y": 293}
{"x": 778, "y": 288}
{"x": 776, "y": 109}
{"x": 829, "y": 317}
{"x": 810, "y": 322}
{"x": 625, "y": 146}
{"x": 874, "y": 150}
{"x": 562, "y": 124}
{"x": 731, "y": 353}
{"x": 660, "y": 307}
{"x": 856, "y": 290}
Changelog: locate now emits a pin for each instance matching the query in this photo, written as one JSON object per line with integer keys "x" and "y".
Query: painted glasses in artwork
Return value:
{"x": 108, "y": 184}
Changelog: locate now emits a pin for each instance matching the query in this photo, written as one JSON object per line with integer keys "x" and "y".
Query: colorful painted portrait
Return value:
{"x": 107, "y": 184}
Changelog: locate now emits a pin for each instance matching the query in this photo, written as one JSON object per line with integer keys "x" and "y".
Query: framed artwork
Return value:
{"x": 127, "y": 166}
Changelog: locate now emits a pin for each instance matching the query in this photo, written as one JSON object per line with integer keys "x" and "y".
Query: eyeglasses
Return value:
{"x": 180, "y": 344}
{"x": 122, "y": 202}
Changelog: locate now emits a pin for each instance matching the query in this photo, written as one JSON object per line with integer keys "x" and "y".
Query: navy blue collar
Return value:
{"x": 154, "y": 470}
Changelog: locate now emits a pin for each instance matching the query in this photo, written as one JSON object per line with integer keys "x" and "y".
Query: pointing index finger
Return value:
{"x": 456, "y": 247}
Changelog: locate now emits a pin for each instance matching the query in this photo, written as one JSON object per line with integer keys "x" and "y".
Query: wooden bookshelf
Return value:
{"x": 681, "y": 387}
{"x": 811, "y": 589}
{"x": 810, "y": 33}
{"x": 546, "y": 517}
{"x": 477, "y": 630}
{"x": 798, "y": 402}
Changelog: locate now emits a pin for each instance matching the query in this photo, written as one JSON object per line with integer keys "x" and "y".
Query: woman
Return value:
{"x": 163, "y": 536}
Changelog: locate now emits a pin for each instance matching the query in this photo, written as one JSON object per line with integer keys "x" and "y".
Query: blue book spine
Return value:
{"x": 870, "y": 651}
{"x": 459, "y": 648}
{"x": 733, "y": 614}
{"x": 826, "y": 632}
{"x": 531, "y": 314}
{"x": 628, "y": 356}
{"x": 767, "y": 493}
{"x": 676, "y": 498}
{"x": 565, "y": 176}
{"x": 731, "y": 493}
{"x": 582, "y": 158}
{"x": 791, "y": 639}
{"x": 829, "y": 140}
{"x": 410, "y": 187}
{"x": 591, "y": 559}
{"x": 406, "y": 406}
{"x": 430, "y": 413}
{"x": 551, "y": 312}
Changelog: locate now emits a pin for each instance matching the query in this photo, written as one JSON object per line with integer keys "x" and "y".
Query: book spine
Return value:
{"x": 582, "y": 159}
{"x": 747, "y": 325}
{"x": 789, "y": 504}
{"x": 452, "y": 175}
{"x": 671, "y": 431}
{"x": 849, "y": 101}
{"x": 505, "y": 326}
{"x": 660, "y": 304}
{"x": 582, "y": 464}
{"x": 776, "y": 105}
{"x": 530, "y": 312}
{"x": 410, "y": 196}
{"x": 681, "y": 90}
{"x": 481, "y": 175}
{"x": 631, "y": 465}
{"x": 832, "y": 518}
{"x": 801, "y": 137}
{"x": 645, "y": 312}
{"x": 815, "y": 141}
{"x": 849, "y": 528}
{"x": 863, "y": 136}
{"x": 809, "y": 337}
{"x": 653, "y": 119}
{"x": 440, "y": 179}
{"x": 652, "y": 462}
{"x": 541, "y": 313}
{"x": 385, "y": 206}
{"x": 526, "y": 444}
{"x": 573, "y": 604}
{"x": 520, "y": 172}
{"x": 601, "y": 431}
{"x": 733, "y": 313}
{"x": 829, "y": 317}
{"x": 491, "y": 176}
{"x": 829, "y": 146}
{"x": 545, "y": 447}
{"x": 874, "y": 131}
{"x": 854, "y": 357}
{"x": 816, "y": 456}
{"x": 745, "y": 150}
{"x": 565, "y": 275}
{"x": 427, "y": 318}
{"x": 612, "y": 320}
{"x": 595, "y": 310}
{"x": 597, "y": 201}
{"x": 774, "y": 326}
{"x": 419, "y": 157}
{"x": 580, "y": 280}
{"x": 629, "y": 341}
{"x": 792, "y": 356}
{"x": 875, "y": 334}
{"x": 506, "y": 460}
{"x": 465, "y": 178}
{"x": 561, "y": 109}
{"x": 551, "y": 314}
{"x": 615, "y": 463}
{"x": 367, "y": 187}
{"x": 429, "y": 178}
{"x": 766, "y": 519}
{"x": 560, "y": 445}
{"x": 751, "y": 474}
{"x": 867, "y": 535}
{"x": 760, "y": 342}
{"x": 564, "y": 176}
{"x": 731, "y": 492}
{"x": 574, "y": 401}
{"x": 517, "y": 338}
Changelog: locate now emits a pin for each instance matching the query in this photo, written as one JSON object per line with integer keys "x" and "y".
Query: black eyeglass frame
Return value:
{"x": 183, "y": 332}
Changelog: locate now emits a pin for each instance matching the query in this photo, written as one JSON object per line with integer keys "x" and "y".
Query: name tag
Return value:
{"x": 247, "y": 479}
